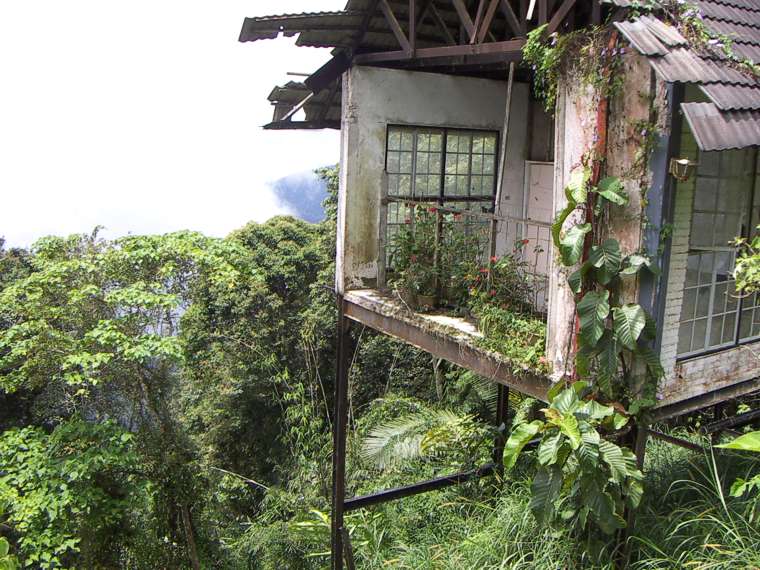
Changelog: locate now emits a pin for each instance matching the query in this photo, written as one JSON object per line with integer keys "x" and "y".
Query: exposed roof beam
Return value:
{"x": 442, "y": 24}
{"x": 559, "y": 16}
{"x": 507, "y": 49}
{"x": 395, "y": 26}
{"x": 464, "y": 17}
{"x": 512, "y": 19}
{"x": 296, "y": 125}
{"x": 485, "y": 24}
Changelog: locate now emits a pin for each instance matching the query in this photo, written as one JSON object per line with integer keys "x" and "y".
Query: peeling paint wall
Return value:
{"x": 373, "y": 98}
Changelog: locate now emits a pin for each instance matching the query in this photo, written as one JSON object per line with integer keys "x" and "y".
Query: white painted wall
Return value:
{"x": 374, "y": 98}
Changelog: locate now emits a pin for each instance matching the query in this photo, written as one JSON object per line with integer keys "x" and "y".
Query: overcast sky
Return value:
{"x": 144, "y": 116}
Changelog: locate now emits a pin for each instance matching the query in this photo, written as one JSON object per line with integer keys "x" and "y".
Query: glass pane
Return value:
{"x": 716, "y": 331}
{"x": 689, "y": 304}
{"x": 700, "y": 334}
{"x": 703, "y": 301}
{"x": 684, "y": 337}
{"x": 394, "y": 139}
{"x": 692, "y": 267}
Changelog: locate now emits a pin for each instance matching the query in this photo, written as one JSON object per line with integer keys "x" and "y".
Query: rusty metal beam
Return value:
{"x": 417, "y": 488}
{"x": 412, "y": 27}
{"x": 482, "y": 362}
{"x": 560, "y": 15}
{"x": 390, "y": 17}
{"x": 448, "y": 36}
{"x": 676, "y": 441}
{"x": 517, "y": 28}
{"x": 507, "y": 49}
{"x": 543, "y": 12}
{"x": 485, "y": 24}
{"x": 735, "y": 421}
{"x": 464, "y": 17}
{"x": 711, "y": 398}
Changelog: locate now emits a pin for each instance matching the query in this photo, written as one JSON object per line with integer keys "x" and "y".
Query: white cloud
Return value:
{"x": 145, "y": 116}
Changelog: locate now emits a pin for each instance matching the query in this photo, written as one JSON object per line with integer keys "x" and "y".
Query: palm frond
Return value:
{"x": 401, "y": 439}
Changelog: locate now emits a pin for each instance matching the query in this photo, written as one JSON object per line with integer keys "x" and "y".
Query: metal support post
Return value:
{"x": 502, "y": 411}
{"x": 340, "y": 426}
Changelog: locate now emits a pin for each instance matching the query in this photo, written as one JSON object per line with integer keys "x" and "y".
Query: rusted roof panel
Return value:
{"x": 716, "y": 130}
{"x": 684, "y": 66}
{"x": 287, "y": 96}
{"x": 666, "y": 33}
{"x": 637, "y": 32}
{"x": 268, "y": 27}
{"x": 725, "y": 13}
{"x": 738, "y": 33}
{"x": 746, "y": 4}
{"x": 732, "y": 97}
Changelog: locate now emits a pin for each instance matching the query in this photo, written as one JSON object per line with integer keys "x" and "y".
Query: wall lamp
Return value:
{"x": 682, "y": 168}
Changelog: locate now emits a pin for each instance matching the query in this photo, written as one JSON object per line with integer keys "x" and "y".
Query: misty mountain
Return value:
{"x": 302, "y": 194}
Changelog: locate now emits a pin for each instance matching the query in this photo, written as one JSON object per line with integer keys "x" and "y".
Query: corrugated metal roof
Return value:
{"x": 716, "y": 130}
{"x": 736, "y": 32}
{"x": 731, "y": 118}
{"x": 684, "y": 66}
{"x": 287, "y": 96}
{"x": 732, "y": 97}
{"x": 721, "y": 12}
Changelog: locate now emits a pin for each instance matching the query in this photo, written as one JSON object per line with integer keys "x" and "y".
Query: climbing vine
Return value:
{"x": 584, "y": 477}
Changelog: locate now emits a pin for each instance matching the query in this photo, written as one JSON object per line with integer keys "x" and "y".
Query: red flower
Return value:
{"x": 484, "y": 270}
{"x": 457, "y": 217}
{"x": 492, "y": 292}
{"x": 432, "y": 210}
{"x": 494, "y": 259}
{"x": 525, "y": 241}
{"x": 412, "y": 258}
{"x": 408, "y": 221}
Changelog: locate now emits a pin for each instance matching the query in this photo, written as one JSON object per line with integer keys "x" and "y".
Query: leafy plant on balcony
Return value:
{"x": 413, "y": 255}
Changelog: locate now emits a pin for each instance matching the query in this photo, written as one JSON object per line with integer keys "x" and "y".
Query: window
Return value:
{"x": 713, "y": 314}
{"x": 453, "y": 168}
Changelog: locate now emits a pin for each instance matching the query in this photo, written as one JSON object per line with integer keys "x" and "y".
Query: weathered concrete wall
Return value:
{"x": 576, "y": 125}
{"x": 373, "y": 98}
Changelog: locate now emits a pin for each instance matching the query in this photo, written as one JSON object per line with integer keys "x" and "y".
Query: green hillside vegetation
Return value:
{"x": 165, "y": 402}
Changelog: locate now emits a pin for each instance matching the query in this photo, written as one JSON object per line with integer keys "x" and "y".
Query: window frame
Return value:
{"x": 441, "y": 198}
{"x": 748, "y": 231}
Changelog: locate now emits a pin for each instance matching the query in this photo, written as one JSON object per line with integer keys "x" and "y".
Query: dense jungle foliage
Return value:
{"x": 165, "y": 402}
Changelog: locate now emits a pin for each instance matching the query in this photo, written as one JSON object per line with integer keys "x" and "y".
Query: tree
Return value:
{"x": 92, "y": 331}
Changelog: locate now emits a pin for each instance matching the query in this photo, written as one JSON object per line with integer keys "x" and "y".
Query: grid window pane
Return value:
{"x": 711, "y": 306}
{"x": 439, "y": 166}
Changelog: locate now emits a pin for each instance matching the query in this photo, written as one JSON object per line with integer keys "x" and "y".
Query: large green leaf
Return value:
{"x": 593, "y": 410}
{"x": 548, "y": 451}
{"x": 612, "y": 455}
{"x": 577, "y": 188}
{"x": 575, "y": 279}
{"x": 593, "y": 309}
{"x": 629, "y": 321}
{"x": 544, "y": 491}
{"x": 567, "y": 424}
{"x": 518, "y": 439}
{"x": 611, "y": 189}
{"x": 747, "y": 442}
{"x": 652, "y": 360}
{"x": 565, "y": 401}
{"x": 588, "y": 452}
{"x": 635, "y": 263}
{"x": 608, "y": 352}
{"x": 571, "y": 246}
{"x": 601, "y": 505}
{"x": 559, "y": 221}
{"x": 606, "y": 258}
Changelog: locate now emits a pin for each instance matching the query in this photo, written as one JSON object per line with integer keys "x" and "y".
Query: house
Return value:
{"x": 437, "y": 109}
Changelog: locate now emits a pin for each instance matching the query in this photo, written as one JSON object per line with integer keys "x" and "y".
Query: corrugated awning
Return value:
{"x": 731, "y": 118}
{"x": 716, "y": 130}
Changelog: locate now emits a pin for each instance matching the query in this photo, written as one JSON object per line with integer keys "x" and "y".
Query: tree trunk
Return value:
{"x": 190, "y": 535}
